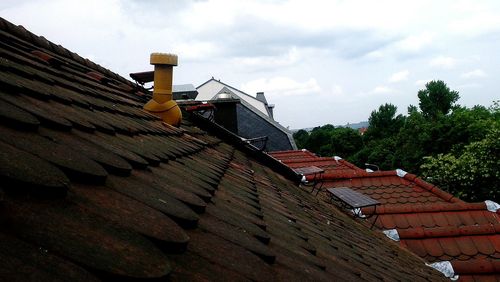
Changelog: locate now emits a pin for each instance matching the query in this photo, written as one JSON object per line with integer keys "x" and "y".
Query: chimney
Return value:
{"x": 270, "y": 109}
{"x": 162, "y": 103}
{"x": 261, "y": 97}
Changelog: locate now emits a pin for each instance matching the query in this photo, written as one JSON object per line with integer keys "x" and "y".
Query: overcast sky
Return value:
{"x": 319, "y": 61}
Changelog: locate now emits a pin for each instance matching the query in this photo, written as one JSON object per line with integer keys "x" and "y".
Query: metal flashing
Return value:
{"x": 401, "y": 173}
{"x": 392, "y": 234}
{"x": 444, "y": 267}
{"x": 492, "y": 206}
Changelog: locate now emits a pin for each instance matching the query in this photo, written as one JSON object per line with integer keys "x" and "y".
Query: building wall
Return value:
{"x": 251, "y": 125}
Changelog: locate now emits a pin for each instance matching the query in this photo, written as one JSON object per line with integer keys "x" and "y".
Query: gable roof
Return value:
{"x": 425, "y": 219}
{"x": 214, "y": 86}
{"x": 249, "y": 102}
{"x": 93, "y": 187}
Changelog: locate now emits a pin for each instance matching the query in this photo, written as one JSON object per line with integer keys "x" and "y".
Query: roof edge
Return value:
{"x": 448, "y": 231}
{"x": 432, "y": 207}
{"x": 236, "y": 141}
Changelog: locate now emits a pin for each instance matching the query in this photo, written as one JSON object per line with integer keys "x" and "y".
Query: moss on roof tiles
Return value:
{"x": 16, "y": 117}
{"x": 37, "y": 108}
{"x": 75, "y": 165}
{"x": 17, "y": 173}
{"x": 26, "y": 262}
{"x": 66, "y": 230}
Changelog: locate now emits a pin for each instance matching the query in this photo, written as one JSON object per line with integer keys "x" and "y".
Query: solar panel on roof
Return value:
{"x": 308, "y": 170}
{"x": 353, "y": 198}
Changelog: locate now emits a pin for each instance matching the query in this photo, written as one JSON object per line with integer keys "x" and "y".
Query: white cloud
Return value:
{"x": 475, "y": 19}
{"x": 374, "y": 55}
{"x": 399, "y": 76}
{"x": 443, "y": 62}
{"x": 469, "y": 85}
{"x": 422, "y": 82}
{"x": 194, "y": 50}
{"x": 337, "y": 90}
{"x": 415, "y": 43}
{"x": 282, "y": 86}
{"x": 381, "y": 89}
{"x": 287, "y": 59}
{"x": 474, "y": 74}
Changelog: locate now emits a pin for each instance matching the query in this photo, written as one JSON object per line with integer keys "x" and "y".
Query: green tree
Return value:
{"x": 471, "y": 174}
{"x": 300, "y": 138}
{"x": 345, "y": 141}
{"x": 384, "y": 122}
{"x": 420, "y": 137}
{"x": 379, "y": 139}
{"x": 319, "y": 140}
{"x": 436, "y": 99}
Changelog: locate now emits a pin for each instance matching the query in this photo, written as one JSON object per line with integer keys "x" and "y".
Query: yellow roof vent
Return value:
{"x": 162, "y": 103}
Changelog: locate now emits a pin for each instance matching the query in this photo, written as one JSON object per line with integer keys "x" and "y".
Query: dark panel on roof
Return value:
{"x": 251, "y": 125}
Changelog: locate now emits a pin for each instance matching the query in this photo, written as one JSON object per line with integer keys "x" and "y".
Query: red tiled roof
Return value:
{"x": 94, "y": 188}
{"x": 430, "y": 222}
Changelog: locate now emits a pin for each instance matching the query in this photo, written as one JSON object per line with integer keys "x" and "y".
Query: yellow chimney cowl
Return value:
{"x": 162, "y": 104}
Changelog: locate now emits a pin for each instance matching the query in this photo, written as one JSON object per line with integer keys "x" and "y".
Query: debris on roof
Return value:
{"x": 95, "y": 188}
{"x": 423, "y": 218}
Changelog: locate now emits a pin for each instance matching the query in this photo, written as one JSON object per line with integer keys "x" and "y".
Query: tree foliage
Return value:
{"x": 472, "y": 173}
{"x": 436, "y": 99}
{"x": 384, "y": 122}
{"x": 329, "y": 140}
{"x": 439, "y": 137}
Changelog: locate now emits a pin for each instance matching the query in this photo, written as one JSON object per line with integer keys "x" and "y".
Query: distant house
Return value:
{"x": 184, "y": 92}
{"x": 247, "y": 116}
{"x": 362, "y": 130}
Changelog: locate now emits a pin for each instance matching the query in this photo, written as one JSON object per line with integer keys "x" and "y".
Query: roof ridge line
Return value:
{"x": 476, "y": 266}
{"x": 44, "y": 45}
{"x": 448, "y": 231}
{"x": 229, "y": 86}
{"x": 431, "y": 188}
{"x": 237, "y": 142}
{"x": 430, "y": 207}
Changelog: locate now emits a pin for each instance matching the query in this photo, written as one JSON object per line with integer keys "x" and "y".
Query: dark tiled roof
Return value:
{"x": 92, "y": 187}
{"x": 430, "y": 222}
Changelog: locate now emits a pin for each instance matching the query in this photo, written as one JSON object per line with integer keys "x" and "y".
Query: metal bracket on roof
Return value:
{"x": 262, "y": 140}
{"x": 357, "y": 212}
{"x": 492, "y": 206}
{"x": 401, "y": 173}
{"x": 392, "y": 234}
{"x": 304, "y": 180}
{"x": 337, "y": 159}
{"x": 446, "y": 268}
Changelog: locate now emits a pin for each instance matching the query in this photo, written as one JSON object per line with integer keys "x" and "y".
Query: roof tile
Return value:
{"x": 20, "y": 257}
{"x": 74, "y": 164}
{"x": 466, "y": 245}
{"x": 16, "y": 172}
{"x": 433, "y": 247}
{"x": 68, "y": 231}
{"x": 450, "y": 246}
